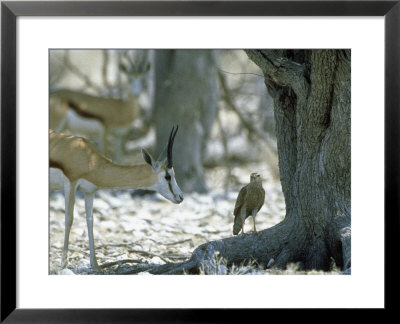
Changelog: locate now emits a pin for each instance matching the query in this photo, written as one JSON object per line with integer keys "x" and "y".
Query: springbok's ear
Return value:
{"x": 147, "y": 157}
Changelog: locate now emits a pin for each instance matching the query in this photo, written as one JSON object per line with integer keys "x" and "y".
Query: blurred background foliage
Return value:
{"x": 217, "y": 97}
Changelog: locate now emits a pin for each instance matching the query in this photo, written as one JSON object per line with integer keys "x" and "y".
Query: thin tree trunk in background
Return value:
{"x": 186, "y": 95}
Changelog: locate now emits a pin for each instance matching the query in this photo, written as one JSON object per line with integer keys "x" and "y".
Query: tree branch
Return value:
{"x": 247, "y": 124}
{"x": 226, "y": 154}
{"x": 281, "y": 70}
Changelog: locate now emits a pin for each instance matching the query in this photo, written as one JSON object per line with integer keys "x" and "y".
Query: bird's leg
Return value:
{"x": 254, "y": 213}
{"x": 242, "y": 226}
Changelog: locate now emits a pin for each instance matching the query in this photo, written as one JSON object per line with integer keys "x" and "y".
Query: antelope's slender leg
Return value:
{"x": 102, "y": 140}
{"x": 62, "y": 124}
{"x": 89, "y": 221}
{"x": 69, "y": 193}
{"x": 106, "y": 146}
{"x": 118, "y": 143}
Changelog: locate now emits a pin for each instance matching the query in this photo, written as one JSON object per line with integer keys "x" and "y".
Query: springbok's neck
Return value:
{"x": 124, "y": 176}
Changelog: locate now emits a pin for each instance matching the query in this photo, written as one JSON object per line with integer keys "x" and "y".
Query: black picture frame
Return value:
{"x": 9, "y": 13}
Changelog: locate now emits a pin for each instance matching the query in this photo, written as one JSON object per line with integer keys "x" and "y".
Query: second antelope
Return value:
{"x": 77, "y": 164}
{"x": 97, "y": 117}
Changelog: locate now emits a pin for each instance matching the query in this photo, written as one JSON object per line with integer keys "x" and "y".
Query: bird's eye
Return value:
{"x": 167, "y": 177}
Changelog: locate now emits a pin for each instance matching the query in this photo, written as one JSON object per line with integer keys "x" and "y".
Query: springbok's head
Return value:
{"x": 166, "y": 183}
{"x": 135, "y": 65}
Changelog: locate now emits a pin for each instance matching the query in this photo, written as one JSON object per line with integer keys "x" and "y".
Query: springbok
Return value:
{"x": 77, "y": 164}
{"x": 96, "y": 117}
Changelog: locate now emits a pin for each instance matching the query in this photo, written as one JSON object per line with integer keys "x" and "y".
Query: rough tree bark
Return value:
{"x": 311, "y": 91}
{"x": 186, "y": 94}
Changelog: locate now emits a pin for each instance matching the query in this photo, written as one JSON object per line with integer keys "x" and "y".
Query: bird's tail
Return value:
{"x": 237, "y": 225}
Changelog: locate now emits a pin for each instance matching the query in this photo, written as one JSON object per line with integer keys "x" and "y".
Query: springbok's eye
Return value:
{"x": 168, "y": 177}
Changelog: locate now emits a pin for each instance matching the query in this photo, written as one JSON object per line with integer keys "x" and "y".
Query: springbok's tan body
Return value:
{"x": 77, "y": 164}
{"x": 93, "y": 117}
{"x": 109, "y": 111}
{"x": 88, "y": 163}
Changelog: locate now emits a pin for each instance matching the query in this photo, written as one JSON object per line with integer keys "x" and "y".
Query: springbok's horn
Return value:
{"x": 170, "y": 144}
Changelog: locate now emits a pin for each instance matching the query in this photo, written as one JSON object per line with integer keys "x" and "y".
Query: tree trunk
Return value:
{"x": 311, "y": 91}
{"x": 186, "y": 94}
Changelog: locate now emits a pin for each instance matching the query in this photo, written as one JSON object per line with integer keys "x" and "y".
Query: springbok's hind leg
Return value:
{"x": 89, "y": 220}
{"x": 69, "y": 194}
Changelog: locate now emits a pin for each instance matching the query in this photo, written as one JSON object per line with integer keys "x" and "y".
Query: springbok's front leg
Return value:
{"x": 89, "y": 220}
{"x": 69, "y": 194}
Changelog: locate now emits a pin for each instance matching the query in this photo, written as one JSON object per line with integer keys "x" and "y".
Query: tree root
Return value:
{"x": 214, "y": 257}
{"x": 274, "y": 247}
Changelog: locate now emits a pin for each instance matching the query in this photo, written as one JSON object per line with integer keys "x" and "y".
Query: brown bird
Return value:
{"x": 249, "y": 202}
